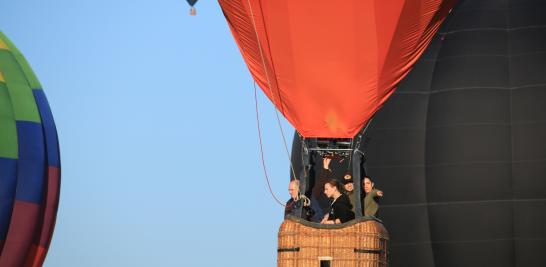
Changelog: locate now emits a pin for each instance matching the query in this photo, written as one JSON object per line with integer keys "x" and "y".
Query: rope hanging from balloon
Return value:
{"x": 262, "y": 148}
{"x": 276, "y": 112}
{"x": 271, "y": 92}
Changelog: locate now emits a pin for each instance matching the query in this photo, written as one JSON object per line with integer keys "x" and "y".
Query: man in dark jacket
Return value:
{"x": 298, "y": 200}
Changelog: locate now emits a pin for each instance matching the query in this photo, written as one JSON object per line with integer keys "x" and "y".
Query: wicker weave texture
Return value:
{"x": 363, "y": 244}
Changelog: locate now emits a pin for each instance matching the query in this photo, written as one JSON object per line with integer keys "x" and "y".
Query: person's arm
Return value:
{"x": 344, "y": 212}
{"x": 326, "y": 163}
{"x": 376, "y": 193}
{"x": 287, "y": 208}
{"x": 345, "y": 215}
{"x": 325, "y": 173}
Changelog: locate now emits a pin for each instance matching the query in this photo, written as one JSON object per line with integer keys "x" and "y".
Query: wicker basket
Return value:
{"x": 361, "y": 242}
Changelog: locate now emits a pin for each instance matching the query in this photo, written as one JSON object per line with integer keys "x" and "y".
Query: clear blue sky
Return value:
{"x": 155, "y": 113}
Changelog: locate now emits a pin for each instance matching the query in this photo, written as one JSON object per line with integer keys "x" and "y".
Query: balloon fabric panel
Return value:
{"x": 328, "y": 68}
{"x": 460, "y": 146}
{"x": 192, "y": 2}
{"x": 29, "y": 163}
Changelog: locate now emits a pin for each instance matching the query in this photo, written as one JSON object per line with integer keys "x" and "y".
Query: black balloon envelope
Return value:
{"x": 460, "y": 148}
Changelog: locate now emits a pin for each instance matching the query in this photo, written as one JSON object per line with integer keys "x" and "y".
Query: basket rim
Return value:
{"x": 331, "y": 226}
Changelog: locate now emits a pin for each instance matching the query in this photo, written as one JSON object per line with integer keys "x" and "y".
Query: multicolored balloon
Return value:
{"x": 29, "y": 163}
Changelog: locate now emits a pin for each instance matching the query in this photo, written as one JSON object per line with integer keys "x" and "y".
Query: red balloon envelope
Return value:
{"x": 329, "y": 66}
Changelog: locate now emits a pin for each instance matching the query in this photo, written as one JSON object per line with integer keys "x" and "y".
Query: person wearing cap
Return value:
{"x": 370, "y": 201}
{"x": 349, "y": 189}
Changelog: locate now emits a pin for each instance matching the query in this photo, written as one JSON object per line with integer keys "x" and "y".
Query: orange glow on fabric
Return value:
{"x": 329, "y": 72}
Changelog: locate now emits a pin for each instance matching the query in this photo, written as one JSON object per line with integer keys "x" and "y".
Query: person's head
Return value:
{"x": 368, "y": 184}
{"x": 331, "y": 188}
{"x": 349, "y": 187}
{"x": 294, "y": 188}
{"x": 348, "y": 183}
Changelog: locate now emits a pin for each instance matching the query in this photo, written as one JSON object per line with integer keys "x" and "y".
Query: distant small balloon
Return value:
{"x": 192, "y": 2}
{"x": 193, "y": 11}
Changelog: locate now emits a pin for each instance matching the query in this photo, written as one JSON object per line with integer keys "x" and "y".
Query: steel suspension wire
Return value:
{"x": 357, "y": 144}
{"x": 262, "y": 148}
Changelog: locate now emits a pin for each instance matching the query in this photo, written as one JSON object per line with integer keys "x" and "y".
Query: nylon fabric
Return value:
{"x": 459, "y": 149}
{"x": 29, "y": 163}
{"x": 328, "y": 68}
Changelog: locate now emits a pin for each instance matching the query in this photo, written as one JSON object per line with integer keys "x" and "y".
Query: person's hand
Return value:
{"x": 326, "y": 163}
{"x": 380, "y": 193}
{"x": 325, "y": 219}
{"x": 327, "y": 222}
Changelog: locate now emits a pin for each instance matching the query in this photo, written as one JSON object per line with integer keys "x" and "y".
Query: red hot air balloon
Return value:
{"x": 328, "y": 68}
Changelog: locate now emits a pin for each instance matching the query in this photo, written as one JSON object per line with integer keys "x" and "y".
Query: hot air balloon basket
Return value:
{"x": 361, "y": 242}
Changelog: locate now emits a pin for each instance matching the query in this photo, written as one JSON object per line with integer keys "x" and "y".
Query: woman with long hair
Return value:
{"x": 340, "y": 208}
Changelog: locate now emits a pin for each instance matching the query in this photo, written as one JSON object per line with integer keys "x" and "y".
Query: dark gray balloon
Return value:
{"x": 191, "y": 2}
{"x": 460, "y": 148}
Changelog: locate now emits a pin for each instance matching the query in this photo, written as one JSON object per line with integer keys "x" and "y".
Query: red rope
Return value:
{"x": 262, "y": 149}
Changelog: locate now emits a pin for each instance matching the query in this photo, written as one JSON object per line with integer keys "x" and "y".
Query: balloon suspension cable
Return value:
{"x": 262, "y": 148}
{"x": 350, "y": 156}
{"x": 358, "y": 141}
{"x": 285, "y": 145}
{"x": 303, "y": 150}
{"x": 271, "y": 91}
